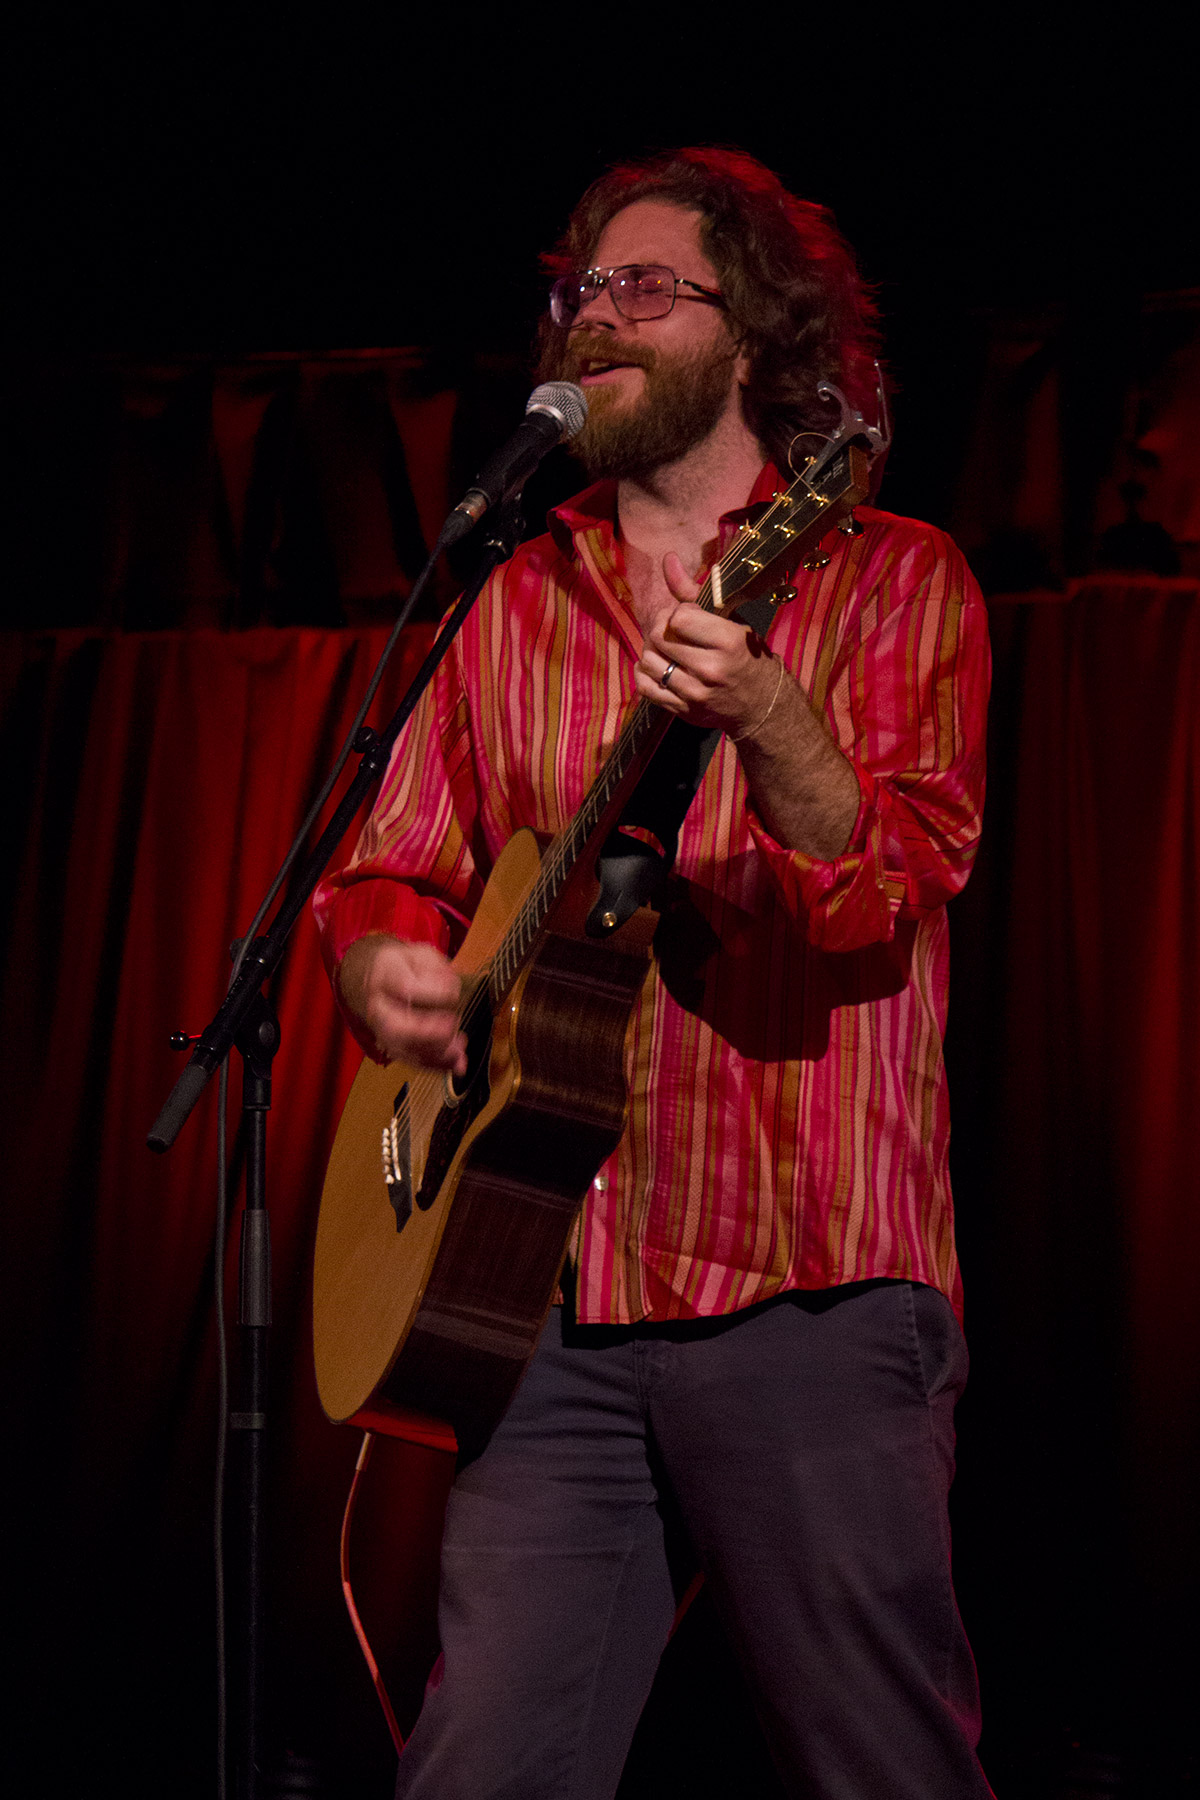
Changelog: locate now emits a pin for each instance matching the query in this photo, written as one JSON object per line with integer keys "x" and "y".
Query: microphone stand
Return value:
{"x": 246, "y": 1021}
{"x": 257, "y": 1042}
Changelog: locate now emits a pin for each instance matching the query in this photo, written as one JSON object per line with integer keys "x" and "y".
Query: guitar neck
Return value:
{"x": 759, "y": 555}
{"x": 640, "y": 735}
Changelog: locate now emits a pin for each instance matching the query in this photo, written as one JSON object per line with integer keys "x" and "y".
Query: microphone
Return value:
{"x": 556, "y": 410}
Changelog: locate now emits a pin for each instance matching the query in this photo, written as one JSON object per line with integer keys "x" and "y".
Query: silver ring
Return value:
{"x": 664, "y": 679}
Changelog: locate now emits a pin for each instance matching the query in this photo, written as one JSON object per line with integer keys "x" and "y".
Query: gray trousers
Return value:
{"x": 807, "y": 1445}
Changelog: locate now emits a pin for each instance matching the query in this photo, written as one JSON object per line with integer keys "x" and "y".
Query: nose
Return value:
{"x": 599, "y": 311}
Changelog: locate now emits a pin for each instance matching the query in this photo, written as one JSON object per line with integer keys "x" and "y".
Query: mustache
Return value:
{"x": 585, "y": 346}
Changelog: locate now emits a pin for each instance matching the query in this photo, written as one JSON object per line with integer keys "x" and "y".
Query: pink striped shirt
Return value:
{"x": 788, "y": 1123}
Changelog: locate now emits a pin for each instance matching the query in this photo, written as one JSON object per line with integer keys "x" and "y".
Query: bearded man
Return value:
{"x": 758, "y": 1329}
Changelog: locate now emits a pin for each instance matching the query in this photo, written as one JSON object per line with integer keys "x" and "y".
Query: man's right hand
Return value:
{"x": 407, "y": 996}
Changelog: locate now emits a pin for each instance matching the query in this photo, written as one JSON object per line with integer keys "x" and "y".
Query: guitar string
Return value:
{"x": 492, "y": 980}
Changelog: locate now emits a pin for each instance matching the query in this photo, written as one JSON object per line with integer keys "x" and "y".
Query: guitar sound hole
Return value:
{"x": 459, "y": 1088}
{"x": 465, "y": 1097}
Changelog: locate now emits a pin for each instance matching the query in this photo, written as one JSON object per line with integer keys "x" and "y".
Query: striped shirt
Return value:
{"x": 788, "y": 1123}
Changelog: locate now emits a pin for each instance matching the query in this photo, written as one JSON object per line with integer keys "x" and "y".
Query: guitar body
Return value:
{"x": 430, "y": 1290}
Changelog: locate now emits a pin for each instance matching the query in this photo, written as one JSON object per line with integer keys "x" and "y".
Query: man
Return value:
{"x": 758, "y": 1329}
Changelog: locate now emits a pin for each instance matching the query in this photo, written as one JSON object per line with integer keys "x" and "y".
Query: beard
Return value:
{"x": 682, "y": 399}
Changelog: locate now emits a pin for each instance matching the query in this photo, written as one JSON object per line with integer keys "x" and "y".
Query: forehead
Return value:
{"x": 654, "y": 231}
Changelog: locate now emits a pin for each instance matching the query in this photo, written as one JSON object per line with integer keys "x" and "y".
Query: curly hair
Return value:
{"x": 789, "y": 278}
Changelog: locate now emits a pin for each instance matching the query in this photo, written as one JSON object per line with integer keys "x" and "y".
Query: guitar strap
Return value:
{"x": 640, "y": 851}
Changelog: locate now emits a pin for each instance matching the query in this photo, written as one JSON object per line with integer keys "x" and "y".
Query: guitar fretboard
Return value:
{"x": 807, "y": 507}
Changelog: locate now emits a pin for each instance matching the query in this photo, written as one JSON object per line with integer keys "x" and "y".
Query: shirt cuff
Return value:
{"x": 848, "y": 901}
{"x": 372, "y": 906}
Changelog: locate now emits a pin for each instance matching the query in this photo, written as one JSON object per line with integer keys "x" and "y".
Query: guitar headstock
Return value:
{"x": 766, "y": 553}
{"x": 823, "y": 495}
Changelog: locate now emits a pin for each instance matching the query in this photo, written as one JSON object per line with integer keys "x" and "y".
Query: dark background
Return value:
{"x": 256, "y": 182}
{"x": 218, "y": 184}
{"x": 201, "y": 191}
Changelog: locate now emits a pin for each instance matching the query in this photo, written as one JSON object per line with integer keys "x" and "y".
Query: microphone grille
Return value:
{"x": 563, "y": 401}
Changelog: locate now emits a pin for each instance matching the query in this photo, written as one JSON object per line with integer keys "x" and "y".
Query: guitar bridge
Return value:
{"x": 397, "y": 1163}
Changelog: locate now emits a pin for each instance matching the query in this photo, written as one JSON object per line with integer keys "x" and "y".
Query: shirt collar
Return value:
{"x": 594, "y": 511}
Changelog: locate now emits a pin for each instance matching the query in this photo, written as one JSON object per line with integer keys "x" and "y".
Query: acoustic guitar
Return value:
{"x": 448, "y": 1203}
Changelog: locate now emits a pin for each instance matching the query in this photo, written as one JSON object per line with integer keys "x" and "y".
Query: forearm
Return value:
{"x": 715, "y": 671}
{"x": 804, "y": 790}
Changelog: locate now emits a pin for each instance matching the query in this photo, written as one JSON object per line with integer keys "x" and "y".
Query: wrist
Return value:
{"x": 757, "y": 723}
{"x": 353, "y": 972}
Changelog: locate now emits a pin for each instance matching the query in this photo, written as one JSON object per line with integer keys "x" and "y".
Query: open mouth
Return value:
{"x": 594, "y": 368}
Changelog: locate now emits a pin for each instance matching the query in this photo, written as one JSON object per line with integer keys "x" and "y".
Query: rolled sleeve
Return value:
{"x": 907, "y": 707}
{"x": 412, "y": 875}
{"x": 349, "y": 910}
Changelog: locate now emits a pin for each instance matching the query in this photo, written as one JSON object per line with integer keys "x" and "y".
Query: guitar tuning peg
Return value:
{"x": 821, "y": 561}
{"x": 782, "y": 594}
{"x": 850, "y": 527}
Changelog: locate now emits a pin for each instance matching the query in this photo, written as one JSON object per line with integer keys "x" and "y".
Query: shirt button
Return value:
{"x": 601, "y": 1184}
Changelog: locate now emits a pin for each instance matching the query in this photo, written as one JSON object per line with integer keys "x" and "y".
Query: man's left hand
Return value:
{"x": 722, "y": 674}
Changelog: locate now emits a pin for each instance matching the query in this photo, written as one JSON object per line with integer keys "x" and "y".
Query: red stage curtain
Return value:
{"x": 162, "y": 777}
{"x": 297, "y": 489}
{"x": 1075, "y": 1075}
{"x": 159, "y": 778}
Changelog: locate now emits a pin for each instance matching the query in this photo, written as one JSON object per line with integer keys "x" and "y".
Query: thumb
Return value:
{"x": 677, "y": 578}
